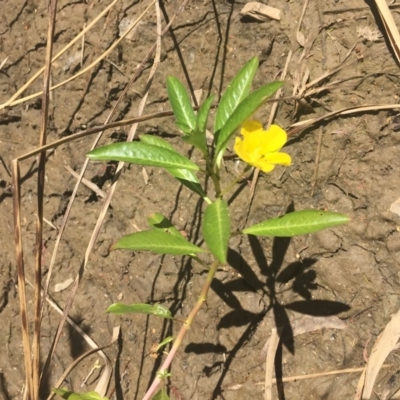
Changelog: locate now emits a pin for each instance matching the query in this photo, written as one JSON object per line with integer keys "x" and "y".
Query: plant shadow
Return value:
{"x": 299, "y": 276}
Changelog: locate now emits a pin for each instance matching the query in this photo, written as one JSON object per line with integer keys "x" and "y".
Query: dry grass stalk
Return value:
{"x": 298, "y": 127}
{"x": 386, "y": 342}
{"x": 93, "y": 130}
{"x": 52, "y": 9}
{"x": 91, "y": 65}
{"x": 100, "y": 390}
{"x": 11, "y": 102}
{"x": 106, "y": 375}
{"x": 16, "y": 184}
{"x": 32, "y": 369}
{"x": 260, "y": 12}
{"x": 307, "y": 376}
{"x": 92, "y": 186}
{"x": 390, "y": 26}
{"x": 270, "y": 362}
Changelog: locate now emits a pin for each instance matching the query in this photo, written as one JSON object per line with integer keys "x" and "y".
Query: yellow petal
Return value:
{"x": 250, "y": 126}
{"x": 278, "y": 158}
{"x": 273, "y": 139}
{"x": 265, "y": 166}
{"x": 239, "y": 150}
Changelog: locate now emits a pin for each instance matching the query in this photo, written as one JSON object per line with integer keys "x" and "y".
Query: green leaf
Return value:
{"x": 185, "y": 177}
{"x": 188, "y": 179}
{"x": 198, "y": 137}
{"x": 158, "y": 221}
{"x": 237, "y": 90}
{"x": 152, "y": 309}
{"x": 69, "y": 395}
{"x": 216, "y": 229}
{"x": 198, "y": 140}
{"x": 158, "y": 242}
{"x": 181, "y": 105}
{"x": 161, "y": 395}
{"x": 297, "y": 223}
{"x": 243, "y": 111}
{"x": 143, "y": 154}
{"x": 156, "y": 141}
{"x": 167, "y": 340}
{"x": 202, "y": 114}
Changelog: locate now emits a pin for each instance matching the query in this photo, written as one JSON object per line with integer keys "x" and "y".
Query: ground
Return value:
{"x": 358, "y": 167}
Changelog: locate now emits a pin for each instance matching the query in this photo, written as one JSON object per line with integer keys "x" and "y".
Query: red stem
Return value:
{"x": 186, "y": 326}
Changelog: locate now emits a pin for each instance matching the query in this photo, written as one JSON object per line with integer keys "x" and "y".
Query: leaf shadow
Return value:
{"x": 298, "y": 277}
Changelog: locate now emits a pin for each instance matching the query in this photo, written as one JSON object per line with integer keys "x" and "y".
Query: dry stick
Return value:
{"x": 309, "y": 376}
{"x": 93, "y": 130}
{"x": 82, "y": 357}
{"x": 21, "y": 276}
{"x": 97, "y": 228}
{"x": 390, "y": 27}
{"x": 182, "y": 332}
{"x": 63, "y": 224}
{"x": 271, "y": 118}
{"x": 130, "y": 137}
{"x": 92, "y": 186}
{"x": 11, "y": 102}
{"x": 303, "y": 11}
{"x": 298, "y": 127}
{"x": 323, "y": 32}
{"x": 385, "y": 343}
{"x": 90, "y": 66}
{"x": 293, "y": 129}
{"x": 360, "y": 384}
{"x": 86, "y": 337}
{"x": 40, "y": 190}
{"x": 111, "y": 125}
{"x": 304, "y": 91}
{"x": 83, "y": 45}
{"x": 270, "y": 361}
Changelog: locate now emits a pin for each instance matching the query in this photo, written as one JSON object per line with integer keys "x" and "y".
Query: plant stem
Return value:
{"x": 235, "y": 181}
{"x": 215, "y": 178}
{"x": 186, "y": 326}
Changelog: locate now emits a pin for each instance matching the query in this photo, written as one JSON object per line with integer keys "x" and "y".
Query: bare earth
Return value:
{"x": 358, "y": 174}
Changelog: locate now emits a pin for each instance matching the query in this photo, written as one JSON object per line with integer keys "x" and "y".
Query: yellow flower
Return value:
{"x": 260, "y": 148}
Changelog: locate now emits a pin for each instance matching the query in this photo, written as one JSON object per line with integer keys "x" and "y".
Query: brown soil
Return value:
{"x": 358, "y": 175}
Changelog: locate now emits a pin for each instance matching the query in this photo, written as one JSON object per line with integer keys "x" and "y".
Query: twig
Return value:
{"x": 11, "y": 102}
{"x": 323, "y": 32}
{"x": 91, "y": 65}
{"x": 390, "y": 27}
{"x": 96, "y": 230}
{"x": 83, "y": 45}
{"x": 16, "y": 184}
{"x": 308, "y": 376}
{"x": 3, "y": 63}
{"x": 93, "y": 130}
{"x": 297, "y": 127}
{"x": 86, "y": 182}
{"x": 270, "y": 362}
{"x": 303, "y": 11}
{"x": 40, "y": 191}
{"x": 111, "y": 125}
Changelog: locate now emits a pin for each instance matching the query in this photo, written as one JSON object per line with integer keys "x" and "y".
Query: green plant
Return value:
{"x": 258, "y": 148}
